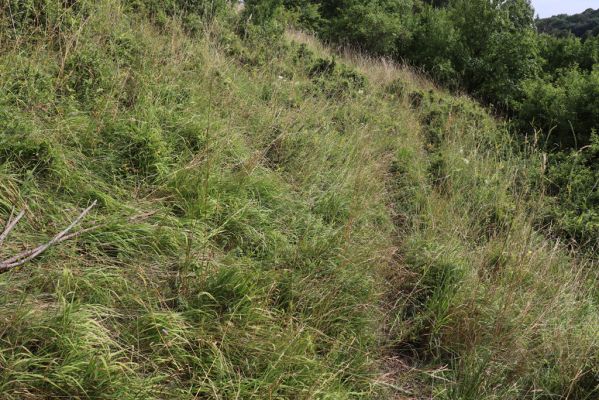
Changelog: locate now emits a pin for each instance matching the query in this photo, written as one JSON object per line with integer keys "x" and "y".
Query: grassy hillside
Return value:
{"x": 273, "y": 221}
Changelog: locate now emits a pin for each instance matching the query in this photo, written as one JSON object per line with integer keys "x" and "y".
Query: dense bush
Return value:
{"x": 496, "y": 47}
{"x": 567, "y": 52}
{"x": 204, "y": 8}
{"x": 436, "y": 29}
{"x": 566, "y": 108}
{"x": 377, "y": 25}
{"x": 574, "y": 182}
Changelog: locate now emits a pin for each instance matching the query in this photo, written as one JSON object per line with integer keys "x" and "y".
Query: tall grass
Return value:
{"x": 319, "y": 226}
{"x": 480, "y": 303}
{"x": 254, "y": 277}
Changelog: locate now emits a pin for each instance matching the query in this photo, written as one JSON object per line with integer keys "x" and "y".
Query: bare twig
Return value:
{"x": 143, "y": 216}
{"x": 28, "y": 255}
{"x": 10, "y": 225}
{"x": 135, "y": 218}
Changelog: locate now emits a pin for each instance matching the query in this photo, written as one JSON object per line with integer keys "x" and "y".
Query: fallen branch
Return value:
{"x": 10, "y": 225}
{"x": 29, "y": 255}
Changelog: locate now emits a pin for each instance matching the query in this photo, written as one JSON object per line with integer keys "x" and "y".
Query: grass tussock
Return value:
{"x": 311, "y": 219}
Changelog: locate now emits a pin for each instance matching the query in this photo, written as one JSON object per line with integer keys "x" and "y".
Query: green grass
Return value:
{"x": 311, "y": 220}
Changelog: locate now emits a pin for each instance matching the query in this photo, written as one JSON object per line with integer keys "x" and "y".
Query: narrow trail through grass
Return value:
{"x": 479, "y": 304}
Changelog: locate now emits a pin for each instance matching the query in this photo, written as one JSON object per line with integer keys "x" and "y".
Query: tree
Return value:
{"x": 497, "y": 47}
{"x": 377, "y": 25}
{"x": 434, "y": 45}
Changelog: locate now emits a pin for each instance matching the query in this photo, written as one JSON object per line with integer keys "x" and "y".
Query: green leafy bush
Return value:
{"x": 88, "y": 75}
{"x": 566, "y": 108}
{"x": 574, "y": 184}
{"x": 335, "y": 80}
{"x": 42, "y": 18}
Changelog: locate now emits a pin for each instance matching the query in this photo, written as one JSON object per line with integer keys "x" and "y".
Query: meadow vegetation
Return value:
{"x": 547, "y": 86}
{"x": 276, "y": 220}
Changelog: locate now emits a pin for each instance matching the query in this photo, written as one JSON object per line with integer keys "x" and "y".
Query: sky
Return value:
{"x": 547, "y": 8}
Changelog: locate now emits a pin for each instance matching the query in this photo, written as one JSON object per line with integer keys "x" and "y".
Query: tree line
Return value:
{"x": 584, "y": 24}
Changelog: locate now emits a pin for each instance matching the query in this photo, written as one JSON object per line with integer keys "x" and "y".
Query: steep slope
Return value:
{"x": 254, "y": 275}
{"x": 479, "y": 304}
{"x": 273, "y": 221}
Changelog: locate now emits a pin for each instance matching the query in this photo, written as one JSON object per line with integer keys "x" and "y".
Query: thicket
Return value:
{"x": 547, "y": 86}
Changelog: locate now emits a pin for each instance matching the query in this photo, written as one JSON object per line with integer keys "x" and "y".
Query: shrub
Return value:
{"x": 567, "y": 108}
{"x": 88, "y": 75}
{"x": 574, "y": 183}
{"x": 334, "y": 79}
{"x": 36, "y": 18}
{"x": 205, "y": 8}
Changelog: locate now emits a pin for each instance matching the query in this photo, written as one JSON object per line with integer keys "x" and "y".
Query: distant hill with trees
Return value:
{"x": 581, "y": 25}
